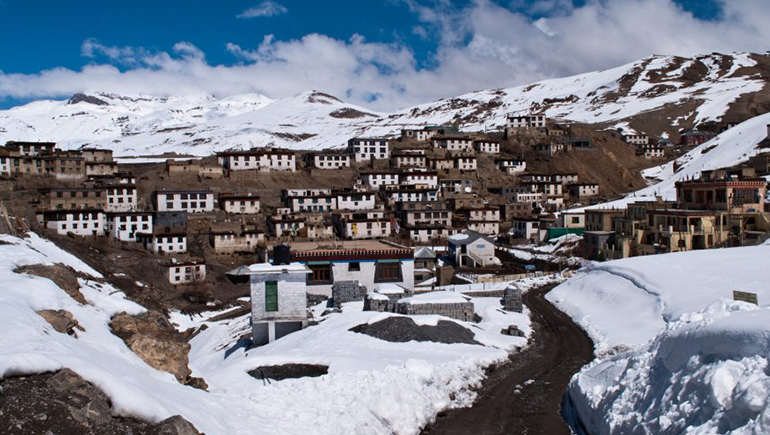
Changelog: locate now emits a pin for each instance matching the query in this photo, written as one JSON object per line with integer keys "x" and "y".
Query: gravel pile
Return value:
{"x": 403, "y": 329}
{"x": 289, "y": 371}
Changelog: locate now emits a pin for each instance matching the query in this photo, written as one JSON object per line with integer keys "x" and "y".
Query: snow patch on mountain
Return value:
{"x": 199, "y": 125}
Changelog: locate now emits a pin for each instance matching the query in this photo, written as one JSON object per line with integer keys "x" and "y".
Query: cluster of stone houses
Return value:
{"x": 721, "y": 208}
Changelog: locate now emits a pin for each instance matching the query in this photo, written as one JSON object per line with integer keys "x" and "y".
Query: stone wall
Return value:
{"x": 512, "y": 299}
{"x": 460, "y": 311}
{"x": 347, "y": 291}
{"x": 381, "y": 305}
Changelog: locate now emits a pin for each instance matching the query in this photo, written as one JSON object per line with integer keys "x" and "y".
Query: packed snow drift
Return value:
{"x": 675, "y": 353}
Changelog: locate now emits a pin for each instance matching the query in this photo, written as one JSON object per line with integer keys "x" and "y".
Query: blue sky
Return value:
{"x": 391, "y": 53}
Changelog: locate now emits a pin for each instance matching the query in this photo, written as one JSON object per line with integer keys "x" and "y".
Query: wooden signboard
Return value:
{"x": 745, "y": 297}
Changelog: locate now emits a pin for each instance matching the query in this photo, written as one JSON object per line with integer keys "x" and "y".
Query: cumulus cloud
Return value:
{"x": 482, "y": 45}
{"x": 265, "y": 9}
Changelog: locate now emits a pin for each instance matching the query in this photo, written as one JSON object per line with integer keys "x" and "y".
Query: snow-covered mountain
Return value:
{"x": 656, "y": 94}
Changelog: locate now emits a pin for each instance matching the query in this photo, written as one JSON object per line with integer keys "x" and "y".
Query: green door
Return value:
{"x": 271, "y": 296}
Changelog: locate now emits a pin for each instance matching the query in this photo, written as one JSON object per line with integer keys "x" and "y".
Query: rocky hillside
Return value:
{"x": 658, "y": 94}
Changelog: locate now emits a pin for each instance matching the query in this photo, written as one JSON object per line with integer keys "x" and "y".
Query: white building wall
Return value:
{"x": 186, "y": 274}
{"x": 357, "y": 201}
{"x": 123, "y": 229}
{"x": 81, "y": 224}
{"x": 202, "y": 202}
{"x": 365, "y": 276}
{"x": 241, "y": 206}
{"x": 121, "y": 199}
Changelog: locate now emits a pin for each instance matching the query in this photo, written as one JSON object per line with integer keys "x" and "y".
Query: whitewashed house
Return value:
{"x": 376, "y": 180}
{"x": 524, "y": 121}
{"x": 409, "y": 158}
{"x": 566, "y": 178}
{"x": 441, "y": 163}
{"x": 355, "y": 200}
{"x": 409, "y": 194}
{"x": 330, "y": 160}
{"x": 82, "y": 222}
{"x": 422, "y": 135}
{"x": 264, "y": 160}
{"x": 121, "y": 198}
{"x": 583, "y": 190}
{"x": 364, "y": 149}
{"x": 524, "y": 228}
{"x": 454, "y": 143}
{"x": 429, "y": 233}
{"x": 235, "y": 203}
{"x": 278, "y": 300}
{"x": 571, "y": 219}
{"x": 512, "y": 166}
{"x": 426, "y": 180}
{"x": 370, "y": 262}
{"x": 191, "y": 201}
{"x": 232, "y": 241}
{"x": 636, "y": 139}
{"x": 183, "y": 272}
{"x": 312, "y": 203}
{"x": 100, "y": 168}
{"x": 487, "y": 146}
{"x": 372, "y": 224}
{"x": 471, "y": 249}
{"x": 124, "y": 226}
{"x": 483, "y": 220}
{"x": 164, "y": 241}
{"x": 465, "y": 163}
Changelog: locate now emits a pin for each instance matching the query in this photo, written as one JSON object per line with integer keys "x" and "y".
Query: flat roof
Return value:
{"x": 267, "y": 268}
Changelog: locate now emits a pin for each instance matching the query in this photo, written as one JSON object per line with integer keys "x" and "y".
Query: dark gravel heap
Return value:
{"x": 64, "y": 403}
{"x": 289, "y": 371}
{"x": 403, "y": 329}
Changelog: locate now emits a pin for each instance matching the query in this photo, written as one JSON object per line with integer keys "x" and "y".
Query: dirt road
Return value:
{"x": 524, "y": 396}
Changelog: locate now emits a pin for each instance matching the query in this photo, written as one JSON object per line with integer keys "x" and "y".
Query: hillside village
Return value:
{"x": 427, "y": 236}
{"x": 430, "y": 221}
{"x": 426, "y": 206}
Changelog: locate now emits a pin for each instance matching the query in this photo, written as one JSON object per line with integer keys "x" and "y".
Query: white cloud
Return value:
{"x": 265, "y": 9}
{"x": 481, "y": 46}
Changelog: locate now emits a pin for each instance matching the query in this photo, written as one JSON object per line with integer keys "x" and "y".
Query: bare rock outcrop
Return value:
{"x": 62, "y": 321}
{"x": 65, "y": 403}
{"x": 64, "y": 276}
{"x": 152, "y": 337}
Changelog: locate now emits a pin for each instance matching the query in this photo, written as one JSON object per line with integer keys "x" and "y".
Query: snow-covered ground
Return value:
{"x": 556, "y": 250}
{"x": 675, "y": 353}
{"x": 373, "y": 386}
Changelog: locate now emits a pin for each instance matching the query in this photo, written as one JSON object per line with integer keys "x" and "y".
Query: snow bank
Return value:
{"x": 707, "y": 373}
{"x": 676, "y": 354}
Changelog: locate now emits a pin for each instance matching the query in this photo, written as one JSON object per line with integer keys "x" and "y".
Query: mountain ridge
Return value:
{"x": 656, "y": 94}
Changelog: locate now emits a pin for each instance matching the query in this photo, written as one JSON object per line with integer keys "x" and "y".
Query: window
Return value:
{"x": 354, "y": 266}
{"x": 271, "y": 296}
{"x": 322, "y": 273}
{"x": 387, "y": 271}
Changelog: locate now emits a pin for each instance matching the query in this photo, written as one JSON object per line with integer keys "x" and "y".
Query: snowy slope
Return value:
{"x": 675, "y": 353}
{"x": 199, "y": 125}
{"x": 373, "y": 386}
{"x": 734, "y": 146}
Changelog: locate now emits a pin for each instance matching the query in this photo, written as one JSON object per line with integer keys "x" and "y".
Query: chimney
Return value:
{"x": 768, "y": 131}
{"x": 281, "y": 255}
